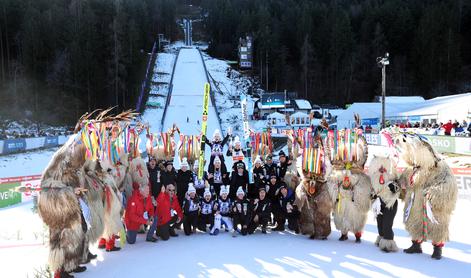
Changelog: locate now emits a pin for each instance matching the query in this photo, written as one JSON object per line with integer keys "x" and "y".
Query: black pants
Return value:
{"x": 167, "y": 228}
{"x": 217, "y": 189}
{"x": 292, "y": 220}
{"x": 261, "y": 221}
{"x": 277, "y": 213}
{"x": 190, "y": 221}
{"x": 204, "y": 220}
{"x": 385, "y": 220}
{"x": 242, "y": 220}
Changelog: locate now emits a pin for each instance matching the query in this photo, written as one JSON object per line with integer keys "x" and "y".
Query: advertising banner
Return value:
{"x": 14, "y": 145}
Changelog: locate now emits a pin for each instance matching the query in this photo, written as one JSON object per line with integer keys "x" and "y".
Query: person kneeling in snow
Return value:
{"x": 207, "y": 208}
{"x": 139, "y": 211}
{"x": 241, "y": 212}
{"x": 169, "y": 212}
{"x": 288, "y": 209}
{"x": 223, "y": 212}
{"x": 261, "y": 212}
{"x": 191, "y": 207}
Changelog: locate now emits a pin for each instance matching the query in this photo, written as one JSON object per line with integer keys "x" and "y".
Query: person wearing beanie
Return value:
{"x": 183, "y": 179}
{"x": 154, "y": 176}
{"x": 222, "y": 208}
{"x": 139, "y": 211}
{"x": 241, "y": 213}
{"x": 191, "y": 207}
{"x": 239, "y": 178}
{"x": 258, "y": 178}
{"x": 169, "y": 212}
{"x": 261, "y": 212}
{"x": 283, "y": 164}
{"x": 269, "y": 168}
{"x": 236, "y": 151}
{"x": 169, "y": 175}
{"x": 216, "y": 145}
{"x": 217, "y": 176}
{"x": 199, "y": 184}
{"x": 288, "y": 210}
{"x": 207, "y": 212}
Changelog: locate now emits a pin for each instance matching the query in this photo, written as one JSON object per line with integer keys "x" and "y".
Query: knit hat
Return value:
{"x": 195, "y": 166}
{"x": 216, "y": 133}
{"x": 240, "y": 191}
{"x": 236, "y": 140}
{"x": 268, "y": 157}
{"x": 216, "y": 159}
{"x": 184, "y": 163}
{"x": 258, "y": 160}
{"x": 191, "y": 188}
{"x": 262, "y": 189}
{"x": 240, "y": 165}
{"x": 168, "y": 162}
{"x": 206, "y": 192}
{"x": 135, "y": 186}
{"x": 151, "y": 157}
{"x": 281, "y": 153}
{"x": 224, "y": 190}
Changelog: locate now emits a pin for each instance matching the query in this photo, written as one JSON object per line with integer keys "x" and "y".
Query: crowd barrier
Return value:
{"x": 441, "y": 143}
{"x": 10, "y": 146}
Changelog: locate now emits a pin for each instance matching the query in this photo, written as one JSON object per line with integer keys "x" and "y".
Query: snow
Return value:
{"x": 280, "y": 254}
{"x": 403, "y": 99}
{"x": 25, "y": 164}
{"x": 303, "y": 104}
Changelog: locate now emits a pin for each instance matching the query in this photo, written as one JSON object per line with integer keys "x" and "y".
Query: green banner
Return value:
{"x": 442, "y": 144}
{"x": 8, "y": 196}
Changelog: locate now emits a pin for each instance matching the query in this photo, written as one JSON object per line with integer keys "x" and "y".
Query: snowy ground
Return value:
{"x": 25, "y": 164}
{"x": 277, "y": 254}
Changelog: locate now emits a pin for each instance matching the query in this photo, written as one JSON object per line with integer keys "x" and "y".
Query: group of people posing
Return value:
{"x": 218, "y": 201}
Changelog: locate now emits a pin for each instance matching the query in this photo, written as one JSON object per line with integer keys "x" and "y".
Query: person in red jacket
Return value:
{"x": 169, "y": 212}
{"x": 139, "y": 211}
{"x": 448, "y": 127}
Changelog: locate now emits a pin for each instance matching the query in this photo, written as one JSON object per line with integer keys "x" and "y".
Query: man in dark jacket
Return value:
{"x": 191, "y": 207}
{"x": 283, "y": 165}
{"x": 274, "y": 186}
{"x": 288, "y": 209}
{"x": 169, "y": 176}
{"x": 154, "y": 176}
{"x": 239, "y": 178}
{"x": 258, "y": 178}
{"x": 183, "y": 179}
{"x": 241, "y": 212}
{"x": 269, "y": 168}
{"x": 261, "y": 212}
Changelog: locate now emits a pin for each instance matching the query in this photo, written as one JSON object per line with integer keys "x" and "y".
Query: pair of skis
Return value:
{"x": 204, "y": 127}
{"x": 246, "y": 138}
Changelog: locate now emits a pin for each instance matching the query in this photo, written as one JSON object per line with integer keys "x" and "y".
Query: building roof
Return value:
{"x": 303, "y": 104}
{"x": 276, "y": 115}
{"x": 299, "y": 115}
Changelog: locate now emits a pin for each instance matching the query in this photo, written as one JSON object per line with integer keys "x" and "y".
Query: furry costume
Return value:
{"x": 384, "y": 177}
{"x": 431, "y": 193}
{"x": 350, "y": 190}
{"x": 313, "y": 201}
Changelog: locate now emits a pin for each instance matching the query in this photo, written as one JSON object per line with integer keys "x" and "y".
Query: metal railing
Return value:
{"x": 145, "y": 82}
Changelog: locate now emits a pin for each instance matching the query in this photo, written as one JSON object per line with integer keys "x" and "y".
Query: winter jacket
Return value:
{"x": 199, "y": 184}
{"x": 217, "y": 147}
{"x": 237, "y": 155}
{"x": 207, "y": 207}
{"x": 262, "y": 208}
{"x": 183, "y": 179}
{"x": 135, "y": 209}
{"x": 287, "y": 203}
{"x": 155, "y": 181}
{"x": 165, "y": 207}
{"x": 168, "y": 177}
{"x": 224, "y": 207}
{"x": 258, "y": 176}
{"x": 238, "y": 180}
{"x": 191, "y": 205}
{"x": 273, "y": 191}
{"x": 243, "y": 210}
{"x": 220, "y": 176}
{"x": 282, "y": 168}
{"x": 269, "y": 170}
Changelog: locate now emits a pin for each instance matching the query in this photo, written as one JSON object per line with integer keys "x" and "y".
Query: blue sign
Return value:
{"x": 372, "y": 121}
{"x": 14, "y": 145}
{"x": 51, "y": 141}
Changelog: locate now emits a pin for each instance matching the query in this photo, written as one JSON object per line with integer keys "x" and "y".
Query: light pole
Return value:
{"x": 382, "y": 63}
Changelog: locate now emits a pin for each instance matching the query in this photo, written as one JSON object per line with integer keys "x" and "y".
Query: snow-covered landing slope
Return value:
{"x": 277, "y": 254}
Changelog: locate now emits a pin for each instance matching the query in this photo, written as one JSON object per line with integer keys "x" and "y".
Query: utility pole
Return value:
{"x": 266, "y": 68}
{"x": 382, "y": 63}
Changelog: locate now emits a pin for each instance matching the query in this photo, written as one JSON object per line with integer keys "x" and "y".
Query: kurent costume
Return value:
{"x": 349, "y": 187}
{"x": 386, "y": 190}
{"x": 430, "y": 192}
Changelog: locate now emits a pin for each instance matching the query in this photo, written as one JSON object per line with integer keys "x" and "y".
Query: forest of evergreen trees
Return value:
{"x": 326, "y": 49}
{"x": 61, "y": 58}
